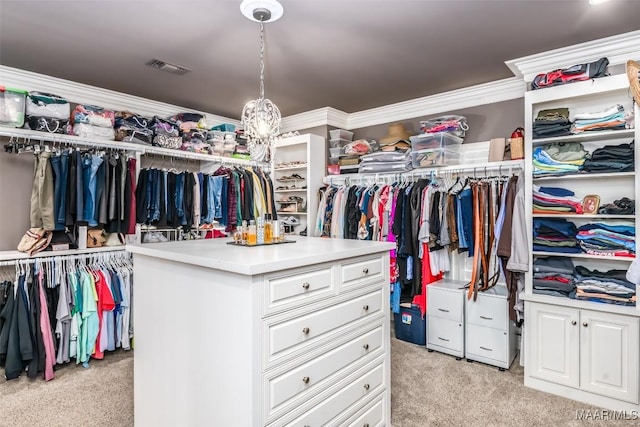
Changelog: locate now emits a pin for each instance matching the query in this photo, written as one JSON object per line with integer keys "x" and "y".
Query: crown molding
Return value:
{"x": 618, "y": 49}
{"x": 472, "y": 96}
{"x": 326, "y": 116}
{"x": 85, "y": 94}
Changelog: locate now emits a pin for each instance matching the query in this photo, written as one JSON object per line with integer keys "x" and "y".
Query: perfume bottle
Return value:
{"x": 252, "y": 237}
{"x": 268, "y": 229}
{"x": 260, "y": 230}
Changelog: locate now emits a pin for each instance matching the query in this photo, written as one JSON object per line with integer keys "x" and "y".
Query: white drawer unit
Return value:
{"x": 315, "y": 374}
{"x": 490, "y": 337}
{"x": 291, "y": 335}
{"x": 445, "y": 321}
{"x": 305, "y": 286}
{"x": 357, "y": 273}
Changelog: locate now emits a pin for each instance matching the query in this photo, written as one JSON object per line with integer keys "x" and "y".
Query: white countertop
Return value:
{"x": 217, "y": 254}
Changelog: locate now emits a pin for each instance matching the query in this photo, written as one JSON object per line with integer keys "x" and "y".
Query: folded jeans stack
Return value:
{"x": 555, "y": 235}
{"x": 558, "y": 158}
{"x": 608, "y": 240}
{"x": 550, "y": 123}
{"x": 612, "y": 118}
{"x": 553, "y": 200}
{"x": 553, "y": 276}
{"x": 611, "y": 158}
{"x": 610, "y": 287}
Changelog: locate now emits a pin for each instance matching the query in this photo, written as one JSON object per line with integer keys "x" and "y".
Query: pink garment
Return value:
{"x": 47, "y": 336}
{"x": 390, "y": 236}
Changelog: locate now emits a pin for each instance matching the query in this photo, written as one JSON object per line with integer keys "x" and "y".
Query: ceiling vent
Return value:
{"x": 168, "y": 67}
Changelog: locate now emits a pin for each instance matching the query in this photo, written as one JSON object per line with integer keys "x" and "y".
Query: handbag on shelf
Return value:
{"x": 96, "y": 238}
{"x": 35, "y": 240}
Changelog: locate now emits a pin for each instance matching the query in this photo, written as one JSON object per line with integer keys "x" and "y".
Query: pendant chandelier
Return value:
{"x": 261, "y": 117}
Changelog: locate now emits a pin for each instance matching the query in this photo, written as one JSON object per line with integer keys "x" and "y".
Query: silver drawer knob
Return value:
{"x": 305, "y": 331}
{"x": 305, "y": 380}
{"x": 305, "y": 286}
{"x": 573, "y": 322}
{"x": 365, "y": 271}
{"x": 365, "y": 425}
{"x": 367, "y": 386}
{"x": 365, "y": 307}
{"x": 366, "y": 346}
{"x": 585, "y": 324}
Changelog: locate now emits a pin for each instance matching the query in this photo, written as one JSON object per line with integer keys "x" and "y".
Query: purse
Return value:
{"x": 35, "y": 240}
{"x": 96, "y": 238}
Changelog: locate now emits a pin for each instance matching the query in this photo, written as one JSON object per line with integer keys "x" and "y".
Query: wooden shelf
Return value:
{"x": 602, "y": 135}
{"x": 576, "y": 303}
{"x": 608, "y": 175}
{"x": 15, "y": 255}
{"x": 584, "y": 256}
{"x": 584, "y": 216}
{"x": 291, "y": 168}
{"x": 290, "y": 213}
{"x": 298, "y": 190}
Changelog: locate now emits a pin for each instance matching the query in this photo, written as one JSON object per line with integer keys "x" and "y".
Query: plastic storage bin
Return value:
{"x": 12, "y": 104}
{"x": 338, "y": 143}
{"x": 435, "y": 140}
{"x": 410, "y": 326}
{"x": 224, "y": 127}
{"x": 341, "y": 134}
{"x": 431, "y": 158}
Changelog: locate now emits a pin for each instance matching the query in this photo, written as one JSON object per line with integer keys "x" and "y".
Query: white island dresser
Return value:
{"x": 283, "y": 335}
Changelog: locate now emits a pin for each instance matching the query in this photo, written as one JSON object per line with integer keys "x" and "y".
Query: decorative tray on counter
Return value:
{"x": 261, "y": 244}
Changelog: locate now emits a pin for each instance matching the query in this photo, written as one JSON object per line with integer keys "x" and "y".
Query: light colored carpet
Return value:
{"x": 427, "y": 389}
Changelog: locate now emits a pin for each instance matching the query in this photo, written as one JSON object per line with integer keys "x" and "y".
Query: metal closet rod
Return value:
{"x": 115, "y": 253}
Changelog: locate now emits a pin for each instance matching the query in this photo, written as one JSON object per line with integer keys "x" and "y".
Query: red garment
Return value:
{"x": 105, "y": 303}
{"x": 427, "y": 278}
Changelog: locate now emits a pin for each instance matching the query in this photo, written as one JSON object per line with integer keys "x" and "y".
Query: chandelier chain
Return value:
{"x": 261, "y": 58}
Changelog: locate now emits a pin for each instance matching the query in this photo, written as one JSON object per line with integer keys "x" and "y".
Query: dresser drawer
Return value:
{"x": 301, "y": 287}
{"x": 373, "y": 416}
{"x": 487, "y": 342}
{"x": 361, "y": 271}
{"x": 366, "y": 384}
{"x": 314, "y": 375}
{"x": 291, "y": 335}
{"x": 445, "y": 303}
{"x": 488, "y": 311}
{"x": 445, "y": 333}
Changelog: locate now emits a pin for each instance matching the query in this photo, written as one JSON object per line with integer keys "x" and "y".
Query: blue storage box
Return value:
{"x": 225, "y": 127}
{"x": 410, "y": 325}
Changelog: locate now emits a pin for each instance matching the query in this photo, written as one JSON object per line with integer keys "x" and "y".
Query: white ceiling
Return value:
{"x": 348, "y": 54}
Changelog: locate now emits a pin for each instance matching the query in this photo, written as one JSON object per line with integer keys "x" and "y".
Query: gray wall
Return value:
{"x": 16, "y": 179}
{"x": 488, "y": 121}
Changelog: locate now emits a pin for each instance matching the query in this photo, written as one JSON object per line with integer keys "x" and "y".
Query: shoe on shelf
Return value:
{"x": 304, "y": 232}
{"x": 161, "y": 237}
{"x": 296, "y": 176}
{"x": 291, "y": 207}
{"x": 292, "y": 220}
{"x": 296, "y": 199}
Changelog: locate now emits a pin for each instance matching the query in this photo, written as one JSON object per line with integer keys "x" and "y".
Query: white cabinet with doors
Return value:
{"x": 585, "y": 350}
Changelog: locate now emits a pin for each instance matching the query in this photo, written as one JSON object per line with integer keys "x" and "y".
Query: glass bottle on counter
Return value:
{"x": 260, "y": 230}
{"x": 268, "y": 229}
{"x": 252, "y": 236}
{"x": 244, "y": 228}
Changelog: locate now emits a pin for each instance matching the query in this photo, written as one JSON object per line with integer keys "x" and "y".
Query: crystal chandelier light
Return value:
{"x": 261, "y": 117}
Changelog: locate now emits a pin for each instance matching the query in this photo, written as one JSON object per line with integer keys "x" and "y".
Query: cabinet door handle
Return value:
{"x": 443, "y": 339}
{"x": 486, "y": 318}
{"x": 443, "y": 310}
{"x": 365, "y": 307}
{"x": 366, "y": 346}
{"x": 367, "y": 386}
{"x": 305, "y": 380}
{"x": 573, "y": 322}
{"x": 365, "y": 270}
{"x": 585, "y": 324}
{"x": 305, "y": 331}
{"x": 305, "y": 285}
{"x": 485, "y": 348}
